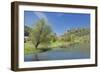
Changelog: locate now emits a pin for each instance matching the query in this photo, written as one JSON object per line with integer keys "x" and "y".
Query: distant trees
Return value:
{"x": 40, "y": 33}
{"x": 26, "y": 30}
{"x": 53, "y": 37}
{"x": 77, "y": 35}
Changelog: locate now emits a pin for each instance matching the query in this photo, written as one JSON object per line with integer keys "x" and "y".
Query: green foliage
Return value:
{"x": 53, "y": 37}
{"x": 40, "y": 33}
{"x": 41, "y": 36}
{"x": 77, "y": 35}
{"x": 26, "y": 30}
{"x": 29, "y": 48}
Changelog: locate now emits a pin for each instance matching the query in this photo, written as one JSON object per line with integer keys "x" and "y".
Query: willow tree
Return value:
{"x": 40, "y": 33}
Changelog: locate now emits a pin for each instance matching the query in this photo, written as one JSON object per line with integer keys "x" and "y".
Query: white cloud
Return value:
{"x": 41, "y": 15}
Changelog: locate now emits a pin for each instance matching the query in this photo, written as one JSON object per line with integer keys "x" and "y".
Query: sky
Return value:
{"x": 59, "y": 22}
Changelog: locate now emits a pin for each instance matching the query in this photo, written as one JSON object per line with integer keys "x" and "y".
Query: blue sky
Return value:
{"x": 60, "y": 22}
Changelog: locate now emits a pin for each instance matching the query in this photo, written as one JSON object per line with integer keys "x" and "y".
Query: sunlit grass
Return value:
{"x": 29, "y": 48}
{"x": 75, "y": 47}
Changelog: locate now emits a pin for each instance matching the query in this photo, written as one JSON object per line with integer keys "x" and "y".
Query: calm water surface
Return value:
{"x": 57, "y": 55}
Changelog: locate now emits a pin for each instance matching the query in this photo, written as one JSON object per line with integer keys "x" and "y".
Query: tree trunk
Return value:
{"x": 36, "y": 55}
{"x": 36, "y": 46}
{"x": 38, "y": 42}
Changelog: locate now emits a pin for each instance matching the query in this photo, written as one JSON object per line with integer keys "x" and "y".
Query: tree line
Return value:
{"x": 42, "y": 34}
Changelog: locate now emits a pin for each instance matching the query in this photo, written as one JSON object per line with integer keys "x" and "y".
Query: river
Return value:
{"x": 57, "y": 55}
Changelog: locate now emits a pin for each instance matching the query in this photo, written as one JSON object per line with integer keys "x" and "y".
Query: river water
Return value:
{"x": 57, "y": 55}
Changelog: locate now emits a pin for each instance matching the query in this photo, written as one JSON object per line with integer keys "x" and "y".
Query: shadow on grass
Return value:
{"x": 44, "y": 49}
